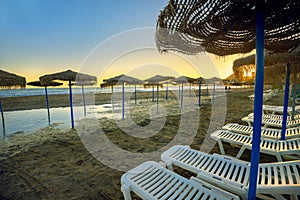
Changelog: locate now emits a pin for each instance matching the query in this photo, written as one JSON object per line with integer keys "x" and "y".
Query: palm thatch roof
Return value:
{"x": 184, "y": 79}
{"x": 39, "y": 84}
{"x": 68, "y": 75}
{"x": 226, "y": 27}
{"x": 118, "y": 80}
{"x": 10, "y": 80}
{"x": 279, "y": 60}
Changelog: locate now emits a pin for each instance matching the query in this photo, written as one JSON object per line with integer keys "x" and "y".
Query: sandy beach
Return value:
{"x": 54, "y": 163}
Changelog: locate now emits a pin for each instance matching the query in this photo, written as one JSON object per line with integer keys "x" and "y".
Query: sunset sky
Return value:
{"x": 100, "y": 37}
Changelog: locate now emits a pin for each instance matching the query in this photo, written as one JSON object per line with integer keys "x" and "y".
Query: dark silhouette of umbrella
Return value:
{"x": 52, "y": 84}
{"x": 157, "y": 81}
{"x": 121, "y": 80}
{"x": 69, "y": 76}
{"x": 182, "y": 80}
{"x": 9, "y": 80}
{"x": 230, "y": 27}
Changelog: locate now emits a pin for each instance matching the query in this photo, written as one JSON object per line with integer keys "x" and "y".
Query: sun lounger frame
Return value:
{"x": 277, "y": 148}
{"x": 151, "y": 180}
{"x": 270, "y": 133}
{"x": 231, "y": 174}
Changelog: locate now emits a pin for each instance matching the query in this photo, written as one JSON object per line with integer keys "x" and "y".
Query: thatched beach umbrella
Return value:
{"x": 8, "y": 81}
{"x": 52, "y": 84}
{"x": 122, "y": 80}
{"x": 182, "y": 80}
{"x": 158, "y": 80}
{"x": 69, "y": 76}
{"x": 231, "y": 27}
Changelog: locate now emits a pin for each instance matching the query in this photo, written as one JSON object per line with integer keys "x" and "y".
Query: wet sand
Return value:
{"x": 54, "y": 163}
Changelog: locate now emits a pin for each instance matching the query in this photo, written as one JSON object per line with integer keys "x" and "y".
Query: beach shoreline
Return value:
{"x": 54, "y": 163}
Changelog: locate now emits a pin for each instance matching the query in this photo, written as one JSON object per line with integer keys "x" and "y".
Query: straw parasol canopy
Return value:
{"x": 158, "y": 79}
{"x": 184, "y": 79}
{"x": 9, "y": 80}
{"x": 68, "y": 75}
{"x": 226, "y": 27}
{"x": 39, "y": 84}
{"x": 118, "y": 80}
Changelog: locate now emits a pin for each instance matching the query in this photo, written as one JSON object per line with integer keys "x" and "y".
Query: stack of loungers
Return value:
{"x": 222, "y": 176}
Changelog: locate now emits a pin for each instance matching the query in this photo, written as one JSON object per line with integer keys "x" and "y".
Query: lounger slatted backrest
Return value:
{"x": 284, "y": 178}
{"x": 152, "y": 181}
{"x": 275, "y": 117}
{"x": 272, "y": 122}
{"x": 275, "y": 179}
{"x": 271, "y": 133}
{"x": 279, "y": 109}
{"x": 268, "y": 146}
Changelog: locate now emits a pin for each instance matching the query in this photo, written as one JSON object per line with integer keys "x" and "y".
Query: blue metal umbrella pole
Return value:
{"x": 199, "y": 94}
{"x": 179, "y": 91}
{"x": 258, "y": 100}
{"x": 2, "y": 115}
{"x": 134, "y": 94}
{"x": 157, "y": 97}
{"x": 112, "y": 97}
{"x": 190, "y": 90}
{"x": 286, "y": 101}
{"x": 213, "y": 97}
{"x": 206, "y": 90}
{"x": 47, "y": 104}
{"x": 83, "y": 98}
{"x": 167, "y": 91}
{"x": 123, "y": 106}
{"x": 71, "y": 104}
{"x": 181, "y": 100}
{"x": 152, "y": 93}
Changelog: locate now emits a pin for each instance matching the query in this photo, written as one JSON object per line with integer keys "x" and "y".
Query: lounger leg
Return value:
{"x": 126, "y": 192}
{"x": 240, "y": 153}
{"x": 221, "y": 147}
{"x": 278, "y": 156}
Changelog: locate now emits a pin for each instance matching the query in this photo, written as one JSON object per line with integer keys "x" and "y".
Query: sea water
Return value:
{"x": 28, "y": 121}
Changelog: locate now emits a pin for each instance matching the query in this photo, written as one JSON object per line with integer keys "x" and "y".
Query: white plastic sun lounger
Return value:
{"x": 272, "y": 122}
{"x": 278, "y": 109}
{"x": 195, "y": 161}
{"x": 277, "y": 148}
{"x": 275, "y": 117}
{"x": 151, "y": 180}
{"x": 270, "y": 133}
{"x": 231, "y": 174}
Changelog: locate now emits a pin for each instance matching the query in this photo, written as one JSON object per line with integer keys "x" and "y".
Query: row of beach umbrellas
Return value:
{"x": 155, "y": 81}
{"x": 8, "y": 80}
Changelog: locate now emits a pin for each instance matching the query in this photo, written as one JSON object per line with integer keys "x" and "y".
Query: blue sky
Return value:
{"x": 46, "y": 36}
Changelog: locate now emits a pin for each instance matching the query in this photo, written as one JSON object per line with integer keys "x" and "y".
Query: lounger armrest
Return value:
{"x": 215, "y": 135}
{"x": 214, "y": 189}
{"x": 234, "y": 187}
{"x": 166, "y": 156}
